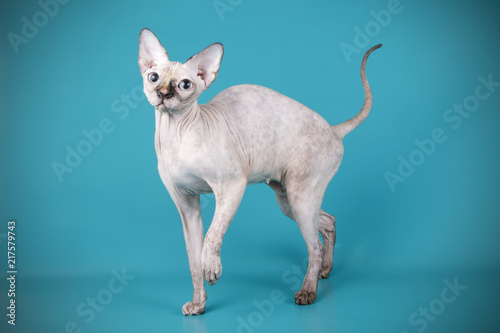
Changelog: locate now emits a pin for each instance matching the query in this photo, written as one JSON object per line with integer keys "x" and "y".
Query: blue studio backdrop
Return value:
{"x": 96, "y": 243}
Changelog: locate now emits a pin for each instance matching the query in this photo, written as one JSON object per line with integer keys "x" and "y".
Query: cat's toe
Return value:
{"x": 304, "y": 297}
{"x": 325, "y": 272}
{"x": 212, "y": 269}
{"x": 193, "y": 309}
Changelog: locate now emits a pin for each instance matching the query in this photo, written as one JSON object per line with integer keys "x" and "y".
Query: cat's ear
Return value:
{"x": 151, "y": 53}
{"x": 206, "y": 63}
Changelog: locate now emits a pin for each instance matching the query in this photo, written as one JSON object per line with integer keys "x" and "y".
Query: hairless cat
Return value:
{"x": 246, "y": 134}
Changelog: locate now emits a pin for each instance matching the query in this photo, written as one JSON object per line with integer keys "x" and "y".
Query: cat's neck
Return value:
{"x": 171, "y": 125}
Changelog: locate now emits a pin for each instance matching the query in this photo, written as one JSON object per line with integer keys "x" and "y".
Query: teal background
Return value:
{"x": 394, "y": 248}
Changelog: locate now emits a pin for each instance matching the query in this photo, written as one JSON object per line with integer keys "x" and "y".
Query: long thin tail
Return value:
{"x": 347, "y": 126}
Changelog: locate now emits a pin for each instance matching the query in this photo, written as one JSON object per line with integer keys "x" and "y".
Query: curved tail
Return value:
{"x": 347, "y": 126}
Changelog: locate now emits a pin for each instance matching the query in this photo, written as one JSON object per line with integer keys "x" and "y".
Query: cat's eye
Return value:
{"x": 153, "y": 77}
{"x": 185, "y": 85}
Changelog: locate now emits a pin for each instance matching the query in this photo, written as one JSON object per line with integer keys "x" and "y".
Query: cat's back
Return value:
{"x": 251, "y": 95}
{"x": 263, "y": 104}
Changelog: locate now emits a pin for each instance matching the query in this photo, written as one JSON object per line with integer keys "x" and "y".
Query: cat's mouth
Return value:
{"x": 167, "y": 105}
{"x": 162, "y": 107}
{"x": 168, "y": 100}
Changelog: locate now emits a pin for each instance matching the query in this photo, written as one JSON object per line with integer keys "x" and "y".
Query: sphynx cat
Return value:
{"x": 246, "y": 134}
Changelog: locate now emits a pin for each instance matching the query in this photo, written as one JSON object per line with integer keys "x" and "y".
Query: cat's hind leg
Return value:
{"x": 327, "y": 230}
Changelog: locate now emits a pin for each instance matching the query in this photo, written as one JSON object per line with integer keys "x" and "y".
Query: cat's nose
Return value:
{"x": 165, "y": 93}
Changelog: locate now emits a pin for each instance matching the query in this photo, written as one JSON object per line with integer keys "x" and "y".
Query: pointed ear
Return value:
{"x": 151, "y": 53}
{"x": 206, "y": 63}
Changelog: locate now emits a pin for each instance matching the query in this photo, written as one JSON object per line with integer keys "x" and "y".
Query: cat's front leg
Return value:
{"x": 227, "y": 199}
{"x": 190, "y": 211}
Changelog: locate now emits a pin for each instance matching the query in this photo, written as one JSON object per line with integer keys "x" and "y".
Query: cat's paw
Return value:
{"x": 211, "y": 268}
{"x": 325, "y": 272}
{"x": 304, "y": 297}
{"x": 193, "y": 309}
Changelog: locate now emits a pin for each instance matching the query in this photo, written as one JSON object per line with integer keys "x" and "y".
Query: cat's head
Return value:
{"x": 170, "y": 85}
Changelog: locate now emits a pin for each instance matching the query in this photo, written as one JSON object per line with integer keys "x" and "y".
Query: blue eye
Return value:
{"x": 185, "y": 85}
{"x": 153, "y": 77}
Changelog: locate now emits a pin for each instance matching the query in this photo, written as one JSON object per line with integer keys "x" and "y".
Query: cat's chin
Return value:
{"x": 161, "y": 108}
{"x": 168, "y": 105}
